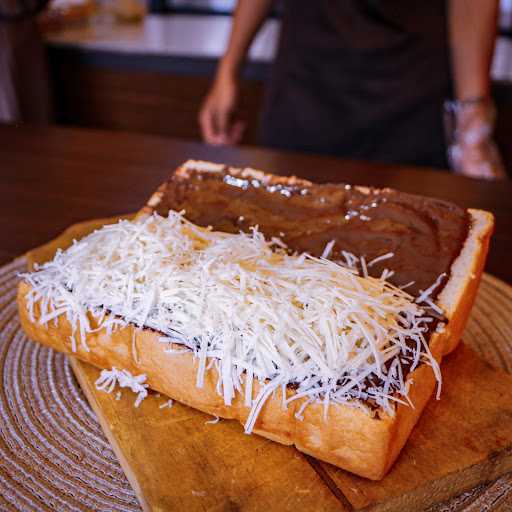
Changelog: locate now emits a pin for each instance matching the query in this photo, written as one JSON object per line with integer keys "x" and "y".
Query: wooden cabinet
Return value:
{"x": 140, "y": 93}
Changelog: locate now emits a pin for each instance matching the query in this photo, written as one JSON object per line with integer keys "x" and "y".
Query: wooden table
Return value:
{"x": 53, "y": 177}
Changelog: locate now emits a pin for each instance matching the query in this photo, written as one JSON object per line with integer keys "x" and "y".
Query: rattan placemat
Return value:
{"x": 54, "y": 456}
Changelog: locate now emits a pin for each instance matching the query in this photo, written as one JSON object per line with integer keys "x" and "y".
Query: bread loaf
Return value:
{"x": 363, "y": 440}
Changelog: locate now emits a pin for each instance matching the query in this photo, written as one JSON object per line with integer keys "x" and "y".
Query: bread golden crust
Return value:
{"x": 350, "y": 438}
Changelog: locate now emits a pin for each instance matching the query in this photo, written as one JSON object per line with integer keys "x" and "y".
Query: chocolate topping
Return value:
{"x": 424, "y": 234}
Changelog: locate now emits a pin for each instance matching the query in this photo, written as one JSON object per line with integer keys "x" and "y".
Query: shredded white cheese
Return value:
{"x": 425, "y": 295}
{"x": 167, "y": 405}
{"x": 380, "y": 258}
{"x": 108, "y": 380}
{"x": 247, "y": 310}
{"x": 328, "y": 249}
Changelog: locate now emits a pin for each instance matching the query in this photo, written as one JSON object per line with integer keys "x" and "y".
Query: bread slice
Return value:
{"x": 351, "y": 438}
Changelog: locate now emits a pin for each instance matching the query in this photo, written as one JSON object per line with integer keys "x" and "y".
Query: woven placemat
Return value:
{"x": 54, "y": 456}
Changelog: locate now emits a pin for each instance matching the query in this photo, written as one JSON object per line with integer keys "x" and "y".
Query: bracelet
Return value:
{"x": 456, "y": 106}
{"x": 473, "y": 100}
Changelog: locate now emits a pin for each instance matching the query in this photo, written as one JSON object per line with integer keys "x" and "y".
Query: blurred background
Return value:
{"x": 146, "y": 66}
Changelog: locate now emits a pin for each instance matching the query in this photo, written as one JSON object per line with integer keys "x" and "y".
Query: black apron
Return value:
{"x": 361, "y": 79}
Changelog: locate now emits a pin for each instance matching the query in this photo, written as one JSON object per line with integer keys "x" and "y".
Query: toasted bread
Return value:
{"x": 350, "y": 438}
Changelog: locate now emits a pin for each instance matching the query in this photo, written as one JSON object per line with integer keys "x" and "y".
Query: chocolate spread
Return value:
{"x": 424, "y": 234}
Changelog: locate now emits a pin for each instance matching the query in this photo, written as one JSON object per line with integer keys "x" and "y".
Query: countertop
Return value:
{"x": 196, "y": 36}
{"x": 171, "y": 35}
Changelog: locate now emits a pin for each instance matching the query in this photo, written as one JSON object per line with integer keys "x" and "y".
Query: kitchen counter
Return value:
{"x": 173, "y": 35}
{"x": 163, "y": 43}
{"x": 200, "y": 39}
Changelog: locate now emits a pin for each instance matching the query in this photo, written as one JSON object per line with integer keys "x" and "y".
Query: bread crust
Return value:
{"x": 351, "y": 438}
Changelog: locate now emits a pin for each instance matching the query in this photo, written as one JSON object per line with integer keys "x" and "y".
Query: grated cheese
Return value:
{"x": 246, "y": 309}
{"x": 425, "y": 295}
{"x": 328, "y": 249}
{"x": 380, "y": 258}
{"x": 108, "y": 380}
{"x": 167, "y": 405}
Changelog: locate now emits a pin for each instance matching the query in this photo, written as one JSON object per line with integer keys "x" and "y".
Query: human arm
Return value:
{"x": 472, "y": 27}
{"x": 217, "y": 117}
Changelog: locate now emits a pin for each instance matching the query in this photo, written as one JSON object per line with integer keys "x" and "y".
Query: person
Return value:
{"x": 24, "y": 83}
{"x": 368, "y": 79}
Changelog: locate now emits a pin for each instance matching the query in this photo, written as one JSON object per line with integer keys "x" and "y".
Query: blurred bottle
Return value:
{"x": 129, "y": 11}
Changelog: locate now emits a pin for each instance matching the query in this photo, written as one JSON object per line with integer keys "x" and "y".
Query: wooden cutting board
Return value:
{"x": 175, "y": 460}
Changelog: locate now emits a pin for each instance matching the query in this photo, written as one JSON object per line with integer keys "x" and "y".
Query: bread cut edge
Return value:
{"x": 350, "y": 438}
{"x": 457, "y": 297}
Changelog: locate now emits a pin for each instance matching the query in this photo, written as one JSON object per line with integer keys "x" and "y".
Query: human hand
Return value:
{"x": 472, "y": 150}
{"x": 217, "y": 117}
